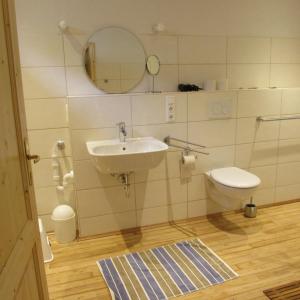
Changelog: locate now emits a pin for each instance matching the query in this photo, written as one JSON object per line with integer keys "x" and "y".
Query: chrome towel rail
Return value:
{"x": 187, "y": 148}
{"x": 283, "y": 118}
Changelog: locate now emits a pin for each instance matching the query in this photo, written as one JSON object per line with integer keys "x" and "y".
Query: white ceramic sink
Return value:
{"x": 135, "y": 154}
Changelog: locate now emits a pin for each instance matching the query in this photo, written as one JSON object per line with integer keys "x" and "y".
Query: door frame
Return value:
{"x": 28, "y": 243}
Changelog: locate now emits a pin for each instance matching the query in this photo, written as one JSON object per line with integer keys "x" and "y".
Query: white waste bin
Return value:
{"x": 63, "y": 217}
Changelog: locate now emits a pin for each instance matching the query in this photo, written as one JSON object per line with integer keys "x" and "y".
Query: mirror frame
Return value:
{"x": 159, "y": 65}
{"x": 85, "y": 47}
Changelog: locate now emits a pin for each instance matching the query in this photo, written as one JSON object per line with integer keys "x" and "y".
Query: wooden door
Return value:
{"x": 22, "y": 274}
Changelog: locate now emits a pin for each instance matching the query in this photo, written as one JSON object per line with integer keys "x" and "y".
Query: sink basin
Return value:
{"x": 113, "y": 156}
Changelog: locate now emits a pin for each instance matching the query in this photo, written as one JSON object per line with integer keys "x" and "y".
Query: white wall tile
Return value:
{"x": 160, "y": 193}
{"x": 79, "y": 84}
{"x": 256, "y": 154}
{"x": 263, "y": 197}
{"x": 149, "y": 109}
{"x": 145, "y": 85}
{"x": 249, "y": 130}
{"x": 167, "y": 79}
{"x": 285, "y": 75}
{"x": 88, "y": 177}
{"x": 267, "y": 175}
{"x": 248, "y": 75}
{"x": 196, "y": 188}
{"x": 74, "y": 45}
{"x": 289, "y": 151}
{"x": 290, "y": 101}
{"x": 249, "y": 50}
{"x": 156, "y": 215}
{"x": 168, "y": 168}
{"x": 218, "y": 158}
{"x": 38, "y": 49}
{"x": 196, "y": 74}
{"x": 285, "y": 50}
{"x": 288, "y": 173}
{"x": 203, "y": 207}
{"x": 105, "y": 201}
{"x": 201, "y": 50}
{"x": 44, "y": 142}
{"x": 290, "y": 129}
{"x": 107, "y": 223}
{"x": 199, "y": 104}
{"x": 288, "y": 192}
{"x": 46, "y": 200}
{"x": 261, "y": 102}
{"x": 91, "y": 112}
{"x": 212, "y": 133}
{"x": 164, "y": 47}
{"x": 176, "y": 130}
{"x": 46, "y": 113}
{"x": 44, "y": 82}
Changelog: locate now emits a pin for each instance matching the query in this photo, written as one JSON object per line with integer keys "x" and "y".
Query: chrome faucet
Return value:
{"x": 122, "y": 131}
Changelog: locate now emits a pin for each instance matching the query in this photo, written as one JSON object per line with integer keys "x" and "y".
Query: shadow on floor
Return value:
{"x": 249, "y": 226}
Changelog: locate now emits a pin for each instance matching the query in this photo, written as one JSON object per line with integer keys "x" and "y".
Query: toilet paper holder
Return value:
{"x": 187, "y": 148}
{"x": 187, "y": 158}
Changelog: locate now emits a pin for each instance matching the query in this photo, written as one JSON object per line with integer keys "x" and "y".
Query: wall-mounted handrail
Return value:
{"x": 169, "y": 138}
{"x": 282, "y": 118}
{"x": 187, "y": 148}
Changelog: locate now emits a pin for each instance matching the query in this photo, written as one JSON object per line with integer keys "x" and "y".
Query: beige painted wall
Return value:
{"x": 253, "y": 43}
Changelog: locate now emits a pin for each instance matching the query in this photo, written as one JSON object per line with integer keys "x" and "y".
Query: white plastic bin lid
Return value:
{"x": 62, "y": 213}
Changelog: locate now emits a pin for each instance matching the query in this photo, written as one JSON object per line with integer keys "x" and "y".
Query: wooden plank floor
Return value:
{"x": 264, "y": 251}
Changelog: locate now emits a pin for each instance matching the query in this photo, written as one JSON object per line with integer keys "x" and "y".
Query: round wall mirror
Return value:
{"x": 153, "y": 65}
{"x": 114, "y": 60}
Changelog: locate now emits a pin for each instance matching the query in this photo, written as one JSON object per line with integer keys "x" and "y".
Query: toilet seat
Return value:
{"x": 235, "y": 178}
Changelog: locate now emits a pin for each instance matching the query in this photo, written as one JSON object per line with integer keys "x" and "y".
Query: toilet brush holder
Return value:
{"x": 250, "y": 210}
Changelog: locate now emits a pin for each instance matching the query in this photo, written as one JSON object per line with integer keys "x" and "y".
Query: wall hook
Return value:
{"x": 62, "y": 25}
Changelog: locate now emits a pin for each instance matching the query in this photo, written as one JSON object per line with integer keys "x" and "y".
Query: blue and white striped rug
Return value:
{"x": 164, "y": 272}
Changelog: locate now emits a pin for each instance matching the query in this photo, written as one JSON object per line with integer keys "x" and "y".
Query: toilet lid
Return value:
{"x": 235, "y": 177}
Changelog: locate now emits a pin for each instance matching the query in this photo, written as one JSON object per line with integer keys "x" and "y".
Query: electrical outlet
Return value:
{"x": 170, "y": 109}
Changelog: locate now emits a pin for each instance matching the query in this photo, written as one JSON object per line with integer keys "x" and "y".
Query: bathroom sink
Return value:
{"x": 135, "y": 154}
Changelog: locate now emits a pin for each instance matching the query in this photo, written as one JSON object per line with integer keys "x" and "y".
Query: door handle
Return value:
{"x": 34, "y": 157}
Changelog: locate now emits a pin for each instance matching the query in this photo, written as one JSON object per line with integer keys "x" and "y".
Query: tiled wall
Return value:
{"x": 270, "y": 150}
{"x": 247, "y": 62}
{"x": 201, "y": 42}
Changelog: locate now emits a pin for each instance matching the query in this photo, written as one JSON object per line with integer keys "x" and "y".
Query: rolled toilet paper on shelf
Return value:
{"x": 60, "y": 188}
{"x": 210, "y": 85}
{"x": 189, "y": 160}
{"x": 222, "y": 84}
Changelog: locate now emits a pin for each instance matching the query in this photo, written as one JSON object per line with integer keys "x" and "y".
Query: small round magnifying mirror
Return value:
{"x": 153, "y": 65}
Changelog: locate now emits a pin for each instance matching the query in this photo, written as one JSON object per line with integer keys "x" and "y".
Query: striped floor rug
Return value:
{"x": 164, "y": 272}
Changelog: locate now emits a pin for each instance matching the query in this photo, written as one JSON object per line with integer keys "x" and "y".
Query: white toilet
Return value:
{"x": 230, "y": 186}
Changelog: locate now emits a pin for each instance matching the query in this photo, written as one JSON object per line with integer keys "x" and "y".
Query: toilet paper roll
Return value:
{"x": 60, "y": 188}
{"x": 189, "y": 160}
{"x": 210, "y": 85}
{"x": 222, "y": 84}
